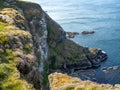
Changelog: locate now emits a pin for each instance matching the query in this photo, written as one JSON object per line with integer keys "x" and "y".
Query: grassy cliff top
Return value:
{"x": 60, "y": 81}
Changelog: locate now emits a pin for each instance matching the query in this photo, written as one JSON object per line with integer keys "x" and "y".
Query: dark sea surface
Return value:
{"x": 102, "y": 16}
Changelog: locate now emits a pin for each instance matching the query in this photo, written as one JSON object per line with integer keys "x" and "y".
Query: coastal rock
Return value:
{"x": 108, "y": 69}
{"x": 71, "y": 34}
{"x": 63, "y": 53}
{"x": 88, "y": 74}
{"x": 96, "y": 56}
{"x": 111, "y": 74}
{"x": 88, "y": 32}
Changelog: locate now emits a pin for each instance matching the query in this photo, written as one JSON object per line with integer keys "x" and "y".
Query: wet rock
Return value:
{"x": 112, "y": 68}
{"x": 71, "y": 34}
{"x": 111, "y": 74}
{"x": 96, "y": 56}
{"x": 104, "y": 69}
{"x": 115, "y": 67}
{"x": 109, "y": 68}
{"x": 88, "y": 32}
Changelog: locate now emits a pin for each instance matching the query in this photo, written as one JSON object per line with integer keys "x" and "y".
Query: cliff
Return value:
{"x": 60, "y": 81}
{"x": 32, "y": 45}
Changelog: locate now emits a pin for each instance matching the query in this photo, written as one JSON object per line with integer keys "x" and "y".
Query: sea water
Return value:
{"x": 102, "y": 16}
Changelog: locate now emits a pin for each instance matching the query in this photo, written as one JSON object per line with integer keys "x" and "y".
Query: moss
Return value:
{"x": 45, "y": 75}
{"x": 27, "y": 48}
{"x": 10, "y": 79}
{"x": 79, "y": 88}
{"x": 53, "y": 34}
{"x": 64, "y": 52}
{"x": 69, "y": 87}
{"x": 60, "y": 81}
{"x": 12, "y": 55}
{"x": 93, "y": 87}
{"x": 30, "y": 12}
{"x": 52, "y": 63}
{"x": 3, "y": 58}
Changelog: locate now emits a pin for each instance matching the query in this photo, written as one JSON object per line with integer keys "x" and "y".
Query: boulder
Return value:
{"x": 88, "y": 32}
{"x": 71, "y": 34}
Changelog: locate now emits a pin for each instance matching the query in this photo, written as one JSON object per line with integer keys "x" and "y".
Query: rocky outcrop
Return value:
{"x": 96, "y": 56}
{"x": 71, "y": 34}
{"x": 60, "y": 81}
{"x": 88, "y": 32}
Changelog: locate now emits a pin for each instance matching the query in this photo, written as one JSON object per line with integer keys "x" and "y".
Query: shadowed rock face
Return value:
{"x": 66, "y": 53}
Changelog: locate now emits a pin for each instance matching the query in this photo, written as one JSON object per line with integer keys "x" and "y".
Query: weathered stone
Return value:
{"x": 71, "y": 34}
{"x": 6, "y": 18}
{"x": 88, "y": 32}
{"x": 115, "y": 67}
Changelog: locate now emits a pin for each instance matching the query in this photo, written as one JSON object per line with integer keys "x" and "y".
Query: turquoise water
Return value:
{"x": 102, "y": 16}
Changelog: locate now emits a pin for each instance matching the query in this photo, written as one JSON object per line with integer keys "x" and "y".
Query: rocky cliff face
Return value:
{"x": 36, "y": 45}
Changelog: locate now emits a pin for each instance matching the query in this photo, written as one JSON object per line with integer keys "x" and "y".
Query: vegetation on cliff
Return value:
{"x": 60, "y": 81}
{"x": 17, "y": 59}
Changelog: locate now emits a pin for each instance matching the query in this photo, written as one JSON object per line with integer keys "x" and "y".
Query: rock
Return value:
{"x": 6, "y": 18}
{"x": 104, "y": 69}
{"x": 88, "y": 32}
{"x": 115, "y": 67}
{"x": 71, "y": 34}
{"x": 95, "y": 56}
{"x": 110, "y": 68}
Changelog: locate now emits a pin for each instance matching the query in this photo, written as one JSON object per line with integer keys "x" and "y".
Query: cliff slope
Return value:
{"x": 32, "y": 45}
{"x": 60, "y": 81}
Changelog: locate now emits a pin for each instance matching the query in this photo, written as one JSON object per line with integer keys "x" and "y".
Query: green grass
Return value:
{"x": 2, "y": 25}
{"x": 45, "y": 75}
{"x": 27, "y": 48}
{"x": 10, "y": 78}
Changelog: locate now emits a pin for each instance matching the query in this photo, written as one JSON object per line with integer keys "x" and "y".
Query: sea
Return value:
{"x": 101, "y": 16}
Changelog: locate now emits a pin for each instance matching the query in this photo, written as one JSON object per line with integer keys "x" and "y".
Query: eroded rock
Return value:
{"x": 71, "y": 34}
{"x": 88, "y": 32}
